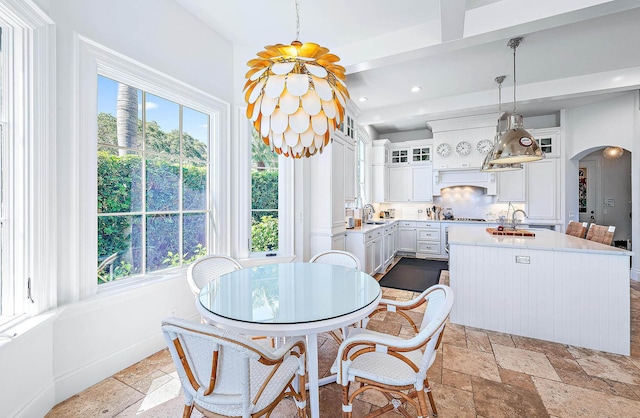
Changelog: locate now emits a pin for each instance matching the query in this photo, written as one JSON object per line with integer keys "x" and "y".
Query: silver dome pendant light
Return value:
{"x": 515, "y": 145}
{"x": 487, "y": 166}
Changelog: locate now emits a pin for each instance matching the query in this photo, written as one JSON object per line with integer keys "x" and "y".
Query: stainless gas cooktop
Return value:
{"x": 468, "y": 219}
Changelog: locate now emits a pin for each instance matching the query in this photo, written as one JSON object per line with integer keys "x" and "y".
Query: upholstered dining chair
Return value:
{"x": 577, "y": 229}
{"x": 395, "y": 366}
{"x": 206, "y": 268}
{"x": 227, "y": 374}
{"x": 601, "y": 233}
{"x": 337, "y": 257}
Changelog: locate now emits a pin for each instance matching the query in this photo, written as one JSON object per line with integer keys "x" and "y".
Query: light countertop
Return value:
{"x": 544, "y": 240}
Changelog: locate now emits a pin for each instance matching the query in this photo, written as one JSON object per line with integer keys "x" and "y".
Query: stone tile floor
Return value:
{"x": 477, "y": 373}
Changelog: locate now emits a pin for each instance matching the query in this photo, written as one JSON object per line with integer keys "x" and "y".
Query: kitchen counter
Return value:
{"x": 544, "y": 240}
{"x": 552, "y": 287}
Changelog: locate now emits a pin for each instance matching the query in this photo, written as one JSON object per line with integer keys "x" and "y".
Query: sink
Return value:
{"x": 375, "y": 222}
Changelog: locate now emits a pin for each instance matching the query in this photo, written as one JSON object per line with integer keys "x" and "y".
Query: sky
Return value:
{"x": 164, "y": 112}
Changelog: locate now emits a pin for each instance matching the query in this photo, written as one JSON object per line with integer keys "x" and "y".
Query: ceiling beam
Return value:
{"x": 452, "y": 14}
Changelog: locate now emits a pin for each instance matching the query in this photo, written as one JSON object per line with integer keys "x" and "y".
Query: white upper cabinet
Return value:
{"x": 549, "y": 141}
{"x": 511, "y": 186}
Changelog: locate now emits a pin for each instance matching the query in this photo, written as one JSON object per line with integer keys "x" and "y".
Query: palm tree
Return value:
{"x": 127, "y": 116}
{"x": 261, "y": 154}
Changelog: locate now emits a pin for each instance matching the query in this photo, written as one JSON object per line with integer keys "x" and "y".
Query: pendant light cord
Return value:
{"x": 297, "y": 21}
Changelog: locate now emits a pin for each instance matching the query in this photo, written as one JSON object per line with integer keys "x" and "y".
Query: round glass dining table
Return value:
{"x": 290, "y": 299}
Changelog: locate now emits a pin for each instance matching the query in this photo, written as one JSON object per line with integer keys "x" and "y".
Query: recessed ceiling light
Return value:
{"x": 363, "y": 99}
{"x": 415, "y": 89}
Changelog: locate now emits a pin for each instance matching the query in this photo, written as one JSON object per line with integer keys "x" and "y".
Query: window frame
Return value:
{"x": 95, "y": 59}
{"x": 28, "y": 283}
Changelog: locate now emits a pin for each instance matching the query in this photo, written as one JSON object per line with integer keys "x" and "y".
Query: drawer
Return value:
{"x": 429, "y": 235}
{"x": 428, "y": 224}
{"x": 371, "y": 235}
{"x": 406, "y": 223}
{"x": 428, "y": 247}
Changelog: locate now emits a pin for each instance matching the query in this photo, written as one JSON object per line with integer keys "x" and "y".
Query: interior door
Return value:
{"x": 587, "y": 199}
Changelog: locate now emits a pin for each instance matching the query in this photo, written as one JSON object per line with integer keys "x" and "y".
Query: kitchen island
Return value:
{"x": 552, "y": 287}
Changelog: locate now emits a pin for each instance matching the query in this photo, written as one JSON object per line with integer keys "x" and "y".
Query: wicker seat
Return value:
{"x": 206, "y": 268}
{"x": 337, "y": 257}
{"x": 577, "y": 229}
{"x": 395, "y": 366}
{"x": 601, "y": 233}
{"x": 230, "y": 375}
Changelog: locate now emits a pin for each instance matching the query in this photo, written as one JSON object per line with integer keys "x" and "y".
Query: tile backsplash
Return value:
{"x": 465, "y": 202}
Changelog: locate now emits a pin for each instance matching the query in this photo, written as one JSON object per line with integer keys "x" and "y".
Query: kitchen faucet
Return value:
{"x": 367, "y": 212}
{"x": 513, "y": 217}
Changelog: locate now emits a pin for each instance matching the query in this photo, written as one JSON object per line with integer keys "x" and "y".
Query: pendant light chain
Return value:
{"x": 499, "y": 80}
{"x": 297, "y": 21}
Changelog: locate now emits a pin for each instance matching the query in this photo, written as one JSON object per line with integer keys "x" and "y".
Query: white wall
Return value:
{"x": 613, "y": 122}
{"x": 87, "y": 341}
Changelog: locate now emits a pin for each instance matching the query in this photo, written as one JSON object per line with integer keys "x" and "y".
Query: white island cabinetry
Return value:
{"x": 368, "y": 245}
{"x": 552, "y": 287}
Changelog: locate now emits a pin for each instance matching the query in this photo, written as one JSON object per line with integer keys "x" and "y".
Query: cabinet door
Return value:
{"x": 511, "y": 186}
{"x": 542, "y": 189}
{"x": 338, "y": 242}
{"x": 400, "y": 184}
{"x": 378, "y": 254}
{"x": 337, "y": 182}
{"x": 379, "y": 183}
{"x": 406, "y": 239}
{"x": 370, "y": 257}
{"x": 422, "y": 184}
{"x": 349, "y": 173}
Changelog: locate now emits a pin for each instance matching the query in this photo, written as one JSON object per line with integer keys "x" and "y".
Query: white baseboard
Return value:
{"x": 635, "y": 275}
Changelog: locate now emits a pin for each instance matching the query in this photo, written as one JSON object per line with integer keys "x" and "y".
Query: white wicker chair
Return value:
{"x": 337, "y": 257}
{"x": 395, "y": 366}
{"x": 228, "y": 374}
{"x": 206, "y": 268}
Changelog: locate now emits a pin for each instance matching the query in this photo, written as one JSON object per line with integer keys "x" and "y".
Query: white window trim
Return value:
{"x": 93, "y": 59}
{"x": 32, "y": 155}
{"x": 285, "y": 195}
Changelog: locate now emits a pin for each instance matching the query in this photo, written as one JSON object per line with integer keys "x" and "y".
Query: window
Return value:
{"x": 27, "y": 173}
{"x": 264, "y": 196}
{"x": 152, "y": 182}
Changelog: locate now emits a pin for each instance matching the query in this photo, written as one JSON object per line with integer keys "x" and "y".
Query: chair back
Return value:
{"x": 577, "y": 229}
{"x": 223, "y": 369}
{"x": 337, "y": 257}
{"x": 601, "y": 233}
{"x": 207, "y": 268}
{"x": 439, "y": 305}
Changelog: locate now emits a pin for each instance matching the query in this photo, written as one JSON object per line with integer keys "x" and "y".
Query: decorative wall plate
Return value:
{"x": 463, "y": 148}
{"x": 484, "y": 146}
{"x": 443, "y": 149}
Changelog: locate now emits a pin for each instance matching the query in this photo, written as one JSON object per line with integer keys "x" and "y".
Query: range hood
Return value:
{"x": 470, "y": 177}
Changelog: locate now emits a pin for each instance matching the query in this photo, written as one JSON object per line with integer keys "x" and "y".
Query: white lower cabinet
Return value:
{"x": 428, "y": 240}
{"x": 407, "y": 236}
{"x": 368, "y": 247}
{"x": 389, "y": 247}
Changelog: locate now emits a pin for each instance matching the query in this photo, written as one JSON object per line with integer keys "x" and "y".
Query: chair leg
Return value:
{"x": 302, "y": 412}
{"x": 187, "y": 411}
{"x": 431, "y": 400}
{"x": 345, "y": 400}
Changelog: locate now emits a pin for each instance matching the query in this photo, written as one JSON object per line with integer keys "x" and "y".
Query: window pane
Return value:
{"x": 162, "y": 129}
{"x": 119, "y": 181}
{"x": 119, "y": 247}
{"x": 194, "y": 236}
{"x": 163, "y": 241}
{"x": 119, "y": 116}
{"x": 195, "y": 134}
{"x": 163, "y": 184}
{"x": 264, "y": 196}
{"x": 194, "y": 185}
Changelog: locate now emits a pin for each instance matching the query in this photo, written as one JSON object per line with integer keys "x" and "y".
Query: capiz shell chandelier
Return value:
{"x": 296, "y": 97}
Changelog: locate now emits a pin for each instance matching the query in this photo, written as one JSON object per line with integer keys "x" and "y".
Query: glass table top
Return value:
{"x": 289, "y": 293}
